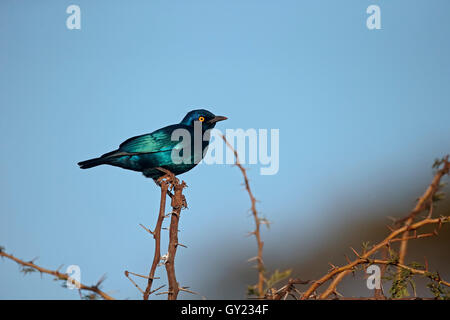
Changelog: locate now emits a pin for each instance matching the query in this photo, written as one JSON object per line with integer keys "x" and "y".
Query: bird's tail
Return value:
{"x": 91, "y": 163}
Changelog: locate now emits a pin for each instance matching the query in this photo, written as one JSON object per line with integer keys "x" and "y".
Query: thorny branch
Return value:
{"x": 95, "y": 289}
{"x": 286, "y": 290}
{"x": 362, "y": 259}
{"x": 178, "y": 203}
{"x": 256, "y": 232}
{"x": 166, "y": 182}
{"x": 343, "y": 271}
{"x": 402, "y": 234}
{"x": 424, "y": 202}
{"x": 157, "y": 236}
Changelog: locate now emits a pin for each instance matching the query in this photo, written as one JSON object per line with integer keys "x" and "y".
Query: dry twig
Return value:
{"x": 341, "y": 272}
{"x": 59, "y": 275}
{"x": 424, "y": 202}
{"x": 402, "y": 234}
{"x": 256, "y": 232}
{"x": 157, "y": 236}
{"x": 178, "y": 203}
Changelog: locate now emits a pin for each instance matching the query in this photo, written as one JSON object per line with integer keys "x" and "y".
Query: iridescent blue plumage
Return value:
{"x": 148, "y": 152}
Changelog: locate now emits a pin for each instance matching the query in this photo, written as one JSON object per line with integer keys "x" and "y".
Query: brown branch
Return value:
{"x": 185, "y": 289}
{"x": 341, "y": 272}
{"x": 157, "y": 236}
{"x": 256, "y": 232}
{"x": 178, "y": 202}
{"x": 286, "y": 290}
{"x": 59, "y": 275}
{"x": 425, "y": 273}
{"x": 349, "y": 268}
{"x": 424, "y": 202}
{"x": 127, "y": 274}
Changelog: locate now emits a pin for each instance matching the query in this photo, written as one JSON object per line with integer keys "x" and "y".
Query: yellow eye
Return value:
{"x": 201, "y": 119}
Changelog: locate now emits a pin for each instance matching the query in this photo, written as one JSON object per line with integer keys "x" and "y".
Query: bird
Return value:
{"x": 151, "y": 154}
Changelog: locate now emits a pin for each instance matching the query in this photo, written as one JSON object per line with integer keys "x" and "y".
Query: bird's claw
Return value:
{"x": 168, "y": 176}
{"x": 174, "y": 184}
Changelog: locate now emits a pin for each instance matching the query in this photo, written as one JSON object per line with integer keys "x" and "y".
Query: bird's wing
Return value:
{"x": 157, "y": 141}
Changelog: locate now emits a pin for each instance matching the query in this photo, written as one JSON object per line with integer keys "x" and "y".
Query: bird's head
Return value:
{"x": 208, "y": 119}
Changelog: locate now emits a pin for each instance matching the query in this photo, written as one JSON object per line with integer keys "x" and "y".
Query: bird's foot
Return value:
{"x": 168, "y": 176}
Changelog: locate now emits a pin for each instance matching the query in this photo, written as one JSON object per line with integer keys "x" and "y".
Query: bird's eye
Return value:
{"x": 201, "y": 119}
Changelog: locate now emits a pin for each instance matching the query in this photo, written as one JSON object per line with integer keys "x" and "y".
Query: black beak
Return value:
{"x": 217, "y": 119}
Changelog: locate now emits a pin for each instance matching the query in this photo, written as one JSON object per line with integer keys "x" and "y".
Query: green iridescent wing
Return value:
{"x": 157, "y": 141}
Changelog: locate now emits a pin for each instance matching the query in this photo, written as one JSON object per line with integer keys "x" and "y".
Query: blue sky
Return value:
{"x": 358, "y": 111}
